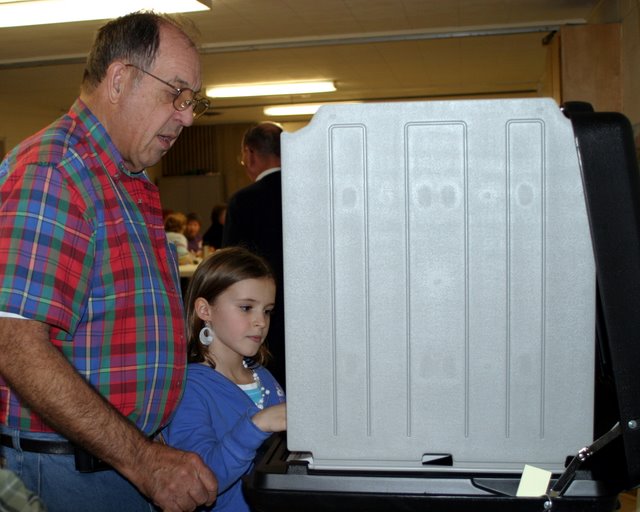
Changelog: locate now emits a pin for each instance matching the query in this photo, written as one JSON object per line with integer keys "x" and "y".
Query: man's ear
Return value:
{"x": 251, "y": 156}
{"x": 116, "y": 78}
{"x": 202, "y": 308}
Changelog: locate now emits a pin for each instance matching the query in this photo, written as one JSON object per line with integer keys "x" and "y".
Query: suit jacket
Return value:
{"x": 254, "y": 221}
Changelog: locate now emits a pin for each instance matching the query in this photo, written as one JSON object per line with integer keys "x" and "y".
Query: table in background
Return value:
{"x": 186, "y": 271}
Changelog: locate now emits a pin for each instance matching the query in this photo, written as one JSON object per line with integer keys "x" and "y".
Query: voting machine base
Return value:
{"x": 278, "y": 484}
{"x": 474, "y": 269}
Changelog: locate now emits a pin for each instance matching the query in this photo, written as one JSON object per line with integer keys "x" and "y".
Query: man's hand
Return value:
{"x": 174, "y": 480}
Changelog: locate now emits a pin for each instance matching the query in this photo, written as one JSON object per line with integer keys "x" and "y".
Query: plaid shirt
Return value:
{"x": 83, "y": 249}
{"x": 14, "y": 496}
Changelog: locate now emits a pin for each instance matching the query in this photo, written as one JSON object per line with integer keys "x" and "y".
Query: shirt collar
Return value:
{"x": 266, "y": 172}
{"x": 97, "y": 135}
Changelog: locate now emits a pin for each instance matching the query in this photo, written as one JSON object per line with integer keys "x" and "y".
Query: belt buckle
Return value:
{"x": 87, "y": 463}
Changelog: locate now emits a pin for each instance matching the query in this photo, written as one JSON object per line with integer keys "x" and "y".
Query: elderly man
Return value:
{"x": 91, "y": 320}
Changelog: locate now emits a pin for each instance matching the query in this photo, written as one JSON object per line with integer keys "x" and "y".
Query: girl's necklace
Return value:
{"x": 258, "y": 399}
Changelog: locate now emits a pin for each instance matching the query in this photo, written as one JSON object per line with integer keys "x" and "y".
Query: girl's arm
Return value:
{"x": 210, "y": 425}
{"x": 272, "y": 419}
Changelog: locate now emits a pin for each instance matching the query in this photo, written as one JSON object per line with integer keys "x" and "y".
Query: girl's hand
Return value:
{"x": 272, "y": 419}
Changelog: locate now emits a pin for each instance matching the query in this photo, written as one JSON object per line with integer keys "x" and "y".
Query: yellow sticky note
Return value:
{"x": 534, "y": 482}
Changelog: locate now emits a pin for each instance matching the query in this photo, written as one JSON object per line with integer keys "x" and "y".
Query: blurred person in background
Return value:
{"x": 192, "y": 232}
{"x": 254, "y": 221}
{"x": 213, "y": 236}
{"x": 175, "y": 225}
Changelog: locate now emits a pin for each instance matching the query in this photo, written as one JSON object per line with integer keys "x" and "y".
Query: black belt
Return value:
{"x": 85, "y": 462}
{"x": 39, "y": 445}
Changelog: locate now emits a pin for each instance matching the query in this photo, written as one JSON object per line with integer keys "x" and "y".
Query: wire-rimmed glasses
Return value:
{"x": 183, "y": 98}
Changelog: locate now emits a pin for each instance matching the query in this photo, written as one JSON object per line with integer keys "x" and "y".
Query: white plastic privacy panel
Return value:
{"x": 439, "y": 286}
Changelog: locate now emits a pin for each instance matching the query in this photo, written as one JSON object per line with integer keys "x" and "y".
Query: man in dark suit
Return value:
{"x": 254, "y": 220}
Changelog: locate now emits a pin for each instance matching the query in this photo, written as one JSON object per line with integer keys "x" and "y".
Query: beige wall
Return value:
{"x": 591, "y": 65}
{"x": 630, "y": 13}
{"x": 17, "y": 121}
{"x": 627, "y": 13}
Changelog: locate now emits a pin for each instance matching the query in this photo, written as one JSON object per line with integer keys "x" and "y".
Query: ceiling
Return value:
{"x": 374, "y": 50}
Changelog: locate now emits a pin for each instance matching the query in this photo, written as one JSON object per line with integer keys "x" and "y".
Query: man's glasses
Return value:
{"x": 183, "y": 98}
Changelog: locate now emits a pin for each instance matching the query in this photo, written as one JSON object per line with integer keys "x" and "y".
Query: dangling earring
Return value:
{"x": 206, "y": 335}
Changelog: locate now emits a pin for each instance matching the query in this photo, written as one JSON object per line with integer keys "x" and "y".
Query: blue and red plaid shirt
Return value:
{"x": 83, "y": 249}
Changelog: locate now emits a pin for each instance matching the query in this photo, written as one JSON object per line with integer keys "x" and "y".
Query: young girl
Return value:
{"x": 231, "y": 403}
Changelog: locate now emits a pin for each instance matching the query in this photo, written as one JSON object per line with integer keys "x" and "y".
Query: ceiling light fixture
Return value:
{"x": 45, "y": 12}
{"x": 270, "y": 89}
{"x": 307, "y": 109}
{"x": 300, "y": 109}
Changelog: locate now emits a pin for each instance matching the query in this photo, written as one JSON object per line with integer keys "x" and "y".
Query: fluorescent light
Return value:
{"x": 44, "y": 12}
{"x": 300, "y": 109}
{"x": 303, "y": 109}
{"x": 270, "y": 89}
